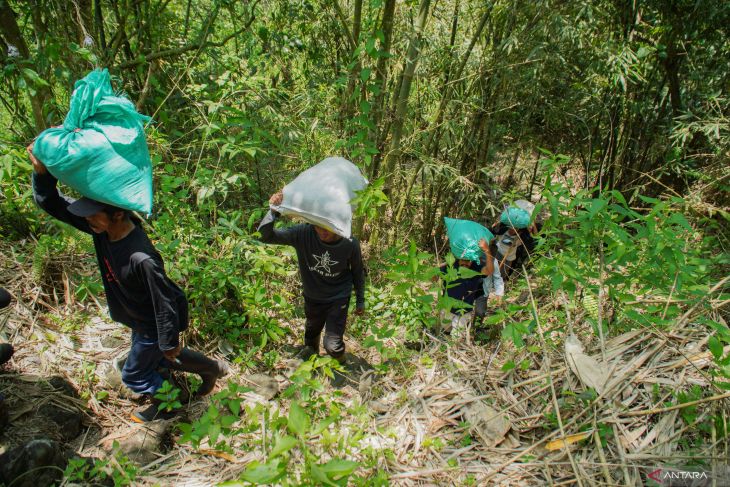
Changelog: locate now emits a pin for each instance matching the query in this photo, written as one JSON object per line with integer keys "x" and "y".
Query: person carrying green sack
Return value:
{"x": 514, "y": 237}
{"x": 138, "y": 292}
{"x": 473, "y": 247}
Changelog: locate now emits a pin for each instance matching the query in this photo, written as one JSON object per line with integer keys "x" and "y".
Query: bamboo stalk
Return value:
{"x": 676, "y": 406}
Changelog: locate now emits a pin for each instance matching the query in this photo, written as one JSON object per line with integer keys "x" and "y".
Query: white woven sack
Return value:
{"x": 321, "y": 195}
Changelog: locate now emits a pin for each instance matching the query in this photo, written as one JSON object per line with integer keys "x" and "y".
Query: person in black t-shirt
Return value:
{"x": 138, "y": 292}
{"x": 330, "y": 267}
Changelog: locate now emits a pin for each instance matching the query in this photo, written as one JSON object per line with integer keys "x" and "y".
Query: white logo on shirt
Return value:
{"x": 324, "y": 262}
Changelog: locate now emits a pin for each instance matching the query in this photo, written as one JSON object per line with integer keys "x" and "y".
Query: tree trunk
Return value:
{"x": 434, "y": 137}
{"x": 99, "y": 20}
{"x": 511, "y": 176}
{"x": 435, "y": 132}
{"x": 84, "y": 15}
{"x": 671, "y": 65}
{"x": 11, "y": 33}
{"x": 381, "y": 80}
{"x": 401, "y": 110}
{"x": 348, "y": 103}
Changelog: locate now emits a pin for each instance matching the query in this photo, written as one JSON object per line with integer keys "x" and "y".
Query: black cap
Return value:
{"x": 86, "y": 207}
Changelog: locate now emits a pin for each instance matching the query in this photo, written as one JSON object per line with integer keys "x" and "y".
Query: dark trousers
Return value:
{"x": 140, "y": 370}
{"x": 480, "y": 307}
{"x": 332, "y": 317}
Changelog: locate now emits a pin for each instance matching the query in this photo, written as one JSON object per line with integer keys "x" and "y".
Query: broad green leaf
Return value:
{"x": 322, "y": 425}
{"x": 267, "y": 473}
{"x": 337, "y": 468}
{"x": 33, "y": 76}
{"x": 213, "y": 432}
{"x": 283, "y": 444}
{"x": 298, "y": 421}
{"x": 227, "y": 421}
{"x": 715, "y": 347}
{"x": 319, "y": 475}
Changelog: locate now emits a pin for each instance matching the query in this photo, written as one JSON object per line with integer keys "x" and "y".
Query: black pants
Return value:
{"x": 332, "y": 317}
{"x": 480, "y": 307}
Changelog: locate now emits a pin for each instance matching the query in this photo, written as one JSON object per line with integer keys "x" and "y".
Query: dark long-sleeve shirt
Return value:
{"x": 328, "y": 271}
{"x": 138, "y": 292}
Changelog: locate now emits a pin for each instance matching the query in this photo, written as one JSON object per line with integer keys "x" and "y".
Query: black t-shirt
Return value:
{"x": 138, "y": 292}
{"x": 329, "y": 271}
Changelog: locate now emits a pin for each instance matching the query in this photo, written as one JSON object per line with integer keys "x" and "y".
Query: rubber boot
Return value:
{"x": 208, "y": 369}
{"x": 306, "y": 352}
{"x": 6, "y": 351}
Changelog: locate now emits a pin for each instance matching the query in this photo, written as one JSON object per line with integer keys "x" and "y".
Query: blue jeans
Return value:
{"x": 140, "y": 370}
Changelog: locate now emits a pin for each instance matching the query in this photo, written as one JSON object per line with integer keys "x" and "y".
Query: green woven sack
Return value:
{"x": 100, "y": 151}
{"x": 515, "y": 217}
{"x": 464, "y": 237}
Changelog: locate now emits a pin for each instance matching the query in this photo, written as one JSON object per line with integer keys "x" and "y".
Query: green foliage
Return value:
{"x": 86, "y": 374}
{"x": 120, "y": 469}
{"x": 16, "y": 206}
{"x": 168, "y": 395}
{"x": 307, "y": 379}
{"x": 626, "y": 267}
{"x": 219, "y": 423}
{"x": 624, "y": 106}
{"x": 311, "y": 424}
{"x": 369, "y": 201}
{"x": 414, "y": 288}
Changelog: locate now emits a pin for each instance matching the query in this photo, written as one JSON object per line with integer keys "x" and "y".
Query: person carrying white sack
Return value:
{"x": 330, "y": 263}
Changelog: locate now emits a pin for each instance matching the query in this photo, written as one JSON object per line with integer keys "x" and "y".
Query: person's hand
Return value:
{"x": 484, "y": 246}
{"x": 172, "y": 354}
{"x": 497, "y": 301}
{"x": 359, "y": 311}
{"x": 38, "y": 166}
{"x": 276, "y": 198}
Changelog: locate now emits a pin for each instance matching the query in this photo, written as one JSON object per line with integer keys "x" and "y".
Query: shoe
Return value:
{"x": 6, "y": 351}
{"x": 151, "y": 413}
{"x": 208, "y": 369}
{"x": 306, "y": 352}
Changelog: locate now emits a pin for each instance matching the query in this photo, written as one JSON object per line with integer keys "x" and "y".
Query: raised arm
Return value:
{"x": 269, "y": 234}
{"x": 488, "y": 268}
{"x": 47, "y": 196}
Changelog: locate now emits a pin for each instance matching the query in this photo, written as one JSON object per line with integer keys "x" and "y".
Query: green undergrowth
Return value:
{"x": 616, "y": 268}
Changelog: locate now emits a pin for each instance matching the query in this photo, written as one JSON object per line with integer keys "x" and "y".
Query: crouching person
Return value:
{"x": 329, "y": 266}
{"x": 472, "y": 291}
{"x": 139, "y": 293}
